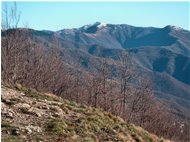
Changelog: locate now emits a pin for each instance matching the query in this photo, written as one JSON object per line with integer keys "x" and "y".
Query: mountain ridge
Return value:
{"x": 161, "y": 53}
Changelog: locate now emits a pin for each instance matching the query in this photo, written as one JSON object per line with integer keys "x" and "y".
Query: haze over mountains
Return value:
{"x": 161, "y": 53}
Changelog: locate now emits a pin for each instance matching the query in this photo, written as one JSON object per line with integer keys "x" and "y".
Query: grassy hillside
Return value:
{"x": 28, "y": 115}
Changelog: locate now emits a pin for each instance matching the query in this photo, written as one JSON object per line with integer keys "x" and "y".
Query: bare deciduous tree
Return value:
{"x": 126, "y": 75}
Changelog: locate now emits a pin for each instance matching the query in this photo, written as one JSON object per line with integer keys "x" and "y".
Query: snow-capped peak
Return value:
{"x": 97, "y": 24}
{"x": 100, "y": 24}
{"x": 175, "y": 27}
{"x": 93, "y": 28}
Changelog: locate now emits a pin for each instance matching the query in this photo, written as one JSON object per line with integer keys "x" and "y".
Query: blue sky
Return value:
{"x": 59, "y": 15}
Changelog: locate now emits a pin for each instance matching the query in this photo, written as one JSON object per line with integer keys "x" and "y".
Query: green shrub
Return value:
{"x": 55, "y": 126}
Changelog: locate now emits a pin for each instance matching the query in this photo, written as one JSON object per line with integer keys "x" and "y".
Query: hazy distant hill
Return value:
{"x": 161, "y": 53}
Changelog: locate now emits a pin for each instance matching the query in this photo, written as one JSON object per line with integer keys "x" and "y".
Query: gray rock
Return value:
{"x": 32, "y": 128}
{"x": 36, "y": 111}
{"x": 7, "y": 113}
{"x": 22, "y": 105}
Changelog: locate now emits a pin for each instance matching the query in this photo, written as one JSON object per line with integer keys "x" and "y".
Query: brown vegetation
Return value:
{"x": 32, "y": 65}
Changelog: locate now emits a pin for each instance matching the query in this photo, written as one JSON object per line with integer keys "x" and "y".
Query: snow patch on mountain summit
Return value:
{"x": 97, "y": 24}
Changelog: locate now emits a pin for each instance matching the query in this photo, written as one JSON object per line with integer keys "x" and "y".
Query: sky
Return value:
{"x": 60, "y": 15}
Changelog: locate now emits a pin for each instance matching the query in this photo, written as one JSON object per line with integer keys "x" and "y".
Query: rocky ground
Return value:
{"x": 30, "y": 116}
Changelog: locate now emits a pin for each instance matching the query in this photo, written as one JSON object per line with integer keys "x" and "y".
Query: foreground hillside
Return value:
{"x": 31, "y": 116}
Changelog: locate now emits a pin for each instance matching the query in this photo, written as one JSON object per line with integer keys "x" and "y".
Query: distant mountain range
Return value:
{"x": 161, "y": 53}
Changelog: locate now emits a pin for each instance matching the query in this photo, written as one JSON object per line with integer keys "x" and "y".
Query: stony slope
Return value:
{"x": 31, "y": 116}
